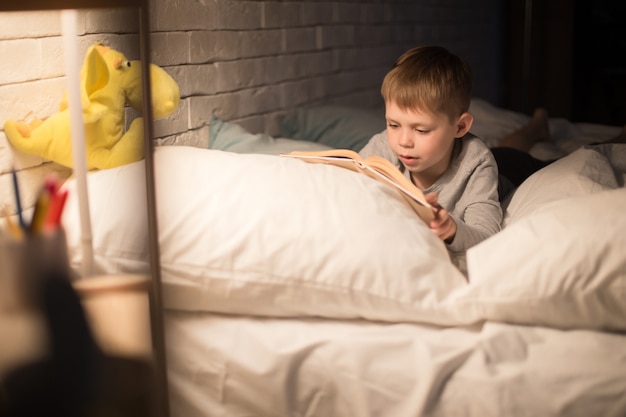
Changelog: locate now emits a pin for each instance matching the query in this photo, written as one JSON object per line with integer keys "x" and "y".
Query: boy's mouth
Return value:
{"x": 408, "y": 160}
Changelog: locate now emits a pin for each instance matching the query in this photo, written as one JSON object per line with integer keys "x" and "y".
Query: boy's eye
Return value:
{"x": 422, "y": 131}
{"x": 392, "y": 125}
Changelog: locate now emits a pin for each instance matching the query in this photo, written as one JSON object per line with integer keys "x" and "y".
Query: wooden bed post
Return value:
{"x": 156, "y": 299}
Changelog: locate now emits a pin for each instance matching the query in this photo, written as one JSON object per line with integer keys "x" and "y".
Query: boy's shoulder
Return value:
{"x": 472, "y": 145}
{"x": 472, "y": 152}
{"x": 475, "y": 141}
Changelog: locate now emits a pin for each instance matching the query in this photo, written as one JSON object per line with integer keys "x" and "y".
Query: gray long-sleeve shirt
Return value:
{"x": 468, "y": 190}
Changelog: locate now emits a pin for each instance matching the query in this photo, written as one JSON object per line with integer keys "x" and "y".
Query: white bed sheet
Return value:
{"x": 492, "y": 123}
{"x": 232, "y": 366}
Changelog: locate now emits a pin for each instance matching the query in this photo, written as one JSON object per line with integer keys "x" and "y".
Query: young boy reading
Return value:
{"x": 427, "y": 95}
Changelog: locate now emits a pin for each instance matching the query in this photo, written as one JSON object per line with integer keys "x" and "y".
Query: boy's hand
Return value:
{"x": 443, "y": 225}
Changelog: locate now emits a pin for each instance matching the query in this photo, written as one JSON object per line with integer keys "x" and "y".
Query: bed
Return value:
{"x": 294, "y": 289}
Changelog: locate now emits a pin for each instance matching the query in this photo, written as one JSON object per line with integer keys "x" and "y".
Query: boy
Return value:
{"x": 427, "y": 95}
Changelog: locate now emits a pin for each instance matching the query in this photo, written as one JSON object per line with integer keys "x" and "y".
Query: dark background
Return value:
{"x": 568, "y": 56}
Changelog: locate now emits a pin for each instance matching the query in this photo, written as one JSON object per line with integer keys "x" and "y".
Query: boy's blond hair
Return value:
{"x": 429, "y": 78}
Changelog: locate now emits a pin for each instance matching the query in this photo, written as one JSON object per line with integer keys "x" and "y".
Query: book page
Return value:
{"x": 333, "y": 153}
{"x": 381, "y": 166}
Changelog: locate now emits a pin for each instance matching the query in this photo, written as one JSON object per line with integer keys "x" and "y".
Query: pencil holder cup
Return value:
{"x": 118, "y": 311}
{"x": 26, "y": 262}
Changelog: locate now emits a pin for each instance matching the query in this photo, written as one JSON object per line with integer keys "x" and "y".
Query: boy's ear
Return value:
{"x": 464, "y": 124}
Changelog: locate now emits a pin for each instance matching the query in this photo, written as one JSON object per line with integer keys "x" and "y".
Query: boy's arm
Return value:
{"x": 482, "y": 216}
{"x": 443, "y": 225}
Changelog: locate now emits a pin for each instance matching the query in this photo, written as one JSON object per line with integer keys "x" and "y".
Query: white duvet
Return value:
{"x": 286, "y": 289}
{"x": 242, "y": 366}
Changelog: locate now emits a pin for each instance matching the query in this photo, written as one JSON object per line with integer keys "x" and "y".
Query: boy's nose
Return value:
{"x": 406, "y": 140}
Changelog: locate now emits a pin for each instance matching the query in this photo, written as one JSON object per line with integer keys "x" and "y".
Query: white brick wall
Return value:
{"x": 32, "y": 81}
{"x": 248, "y": 61}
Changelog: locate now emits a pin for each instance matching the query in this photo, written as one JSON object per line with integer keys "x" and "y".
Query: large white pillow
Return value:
{"x": 585, "y": 171}
{"x": 267, "y": 235}
{"x": 563, "y": 265}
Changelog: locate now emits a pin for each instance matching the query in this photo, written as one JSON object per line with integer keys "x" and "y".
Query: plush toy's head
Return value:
{"x": 108, "y": 82}
{"x": 165, "y": 95}
{"x": 108, "y": 79}
{"x": 124, "y": 77}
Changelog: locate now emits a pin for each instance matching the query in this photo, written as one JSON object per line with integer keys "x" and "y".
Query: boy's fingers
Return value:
{"x": 431, "y": 198}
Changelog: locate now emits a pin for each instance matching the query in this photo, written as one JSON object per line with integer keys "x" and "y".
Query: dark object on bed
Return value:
{"x": 77, "y": 379}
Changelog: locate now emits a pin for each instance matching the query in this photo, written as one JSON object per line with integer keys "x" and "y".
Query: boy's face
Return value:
{"x": 423, "y": 141}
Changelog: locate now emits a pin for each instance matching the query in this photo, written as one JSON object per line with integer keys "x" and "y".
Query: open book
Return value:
{"x": 375, "y": 167}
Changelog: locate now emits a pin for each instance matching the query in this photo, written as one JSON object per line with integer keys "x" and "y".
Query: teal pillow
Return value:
{"x": 336, "y": 126}
{"x": 232, "y": 137}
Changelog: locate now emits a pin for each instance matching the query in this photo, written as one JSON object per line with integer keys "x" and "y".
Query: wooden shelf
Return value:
{"x": 161, "y": 407}
{"x": 25, "y": 5}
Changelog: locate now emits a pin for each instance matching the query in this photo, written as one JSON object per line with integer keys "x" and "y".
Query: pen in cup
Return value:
{"x": 14, "y": 228}
{"x": 18, "y": 200}
{"x": 53, "y": 218}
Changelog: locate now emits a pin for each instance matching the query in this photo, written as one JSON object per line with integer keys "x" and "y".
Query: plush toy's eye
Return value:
{"x": 127, "y": 64}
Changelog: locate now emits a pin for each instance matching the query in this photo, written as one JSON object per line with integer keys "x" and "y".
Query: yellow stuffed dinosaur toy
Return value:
{"x": 108, "y": 82}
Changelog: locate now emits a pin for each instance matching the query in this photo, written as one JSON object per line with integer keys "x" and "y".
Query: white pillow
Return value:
{"x": 563, "y": 265}
{"x": 492, "y": 123}
{"x": 334, "y": 125}
{"x": 585, "y": 171}
{"x": 267, "y": 235}
{"x": 226, "y": 136}
{"x": 118, "y": 221}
